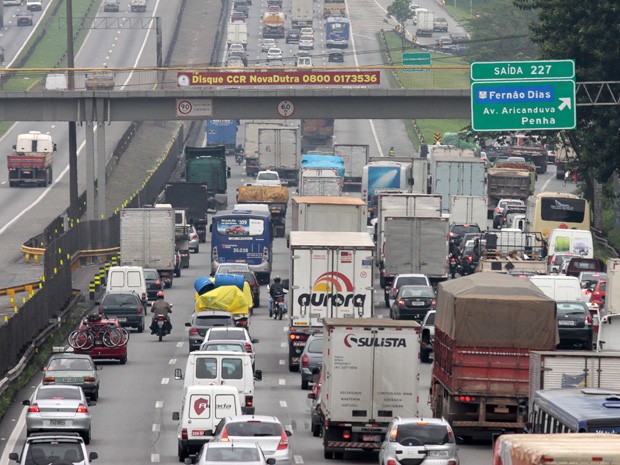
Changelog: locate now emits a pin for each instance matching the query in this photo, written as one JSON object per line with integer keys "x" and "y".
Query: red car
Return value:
{"x": 598, "y": 294}
{"x": 235, "y": 230}
{"x": 99, "y": 350}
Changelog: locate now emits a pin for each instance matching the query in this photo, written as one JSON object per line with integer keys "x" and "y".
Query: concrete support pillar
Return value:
{"x": 91, "y": 208}
{"x": 101, "y": 162}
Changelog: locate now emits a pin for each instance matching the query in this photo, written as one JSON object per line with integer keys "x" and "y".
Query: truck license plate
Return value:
{"x": 371, "y": 438}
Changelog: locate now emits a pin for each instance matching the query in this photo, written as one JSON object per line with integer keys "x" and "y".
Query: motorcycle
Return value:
{"x": 454, "y": 266}
{"x": 239, "y": 157}
{"x": 279, "y": 307}
{"x": 161, "y": 326}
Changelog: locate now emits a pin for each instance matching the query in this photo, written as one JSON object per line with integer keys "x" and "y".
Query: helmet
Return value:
{"x": 160, "y": 294}
{"x": 93, "y": 317}
{"x": 276, "y": 279}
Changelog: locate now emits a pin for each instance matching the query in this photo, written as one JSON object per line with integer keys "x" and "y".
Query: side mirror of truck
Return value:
{"x": 255, "y": 341}
{"x": 14, "y": 456}
{"x": 93, "y": 456}
{"x": 55, "y": 148}
{"x": 258, "y": 375}
{"x": 15, "y": 147}
{"x": 178, "y": 373}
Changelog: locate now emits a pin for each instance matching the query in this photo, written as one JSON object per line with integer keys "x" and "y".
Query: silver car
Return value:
{"x": 423, "y": 441}
{"x": 222, "y": 453}
{"x": 194, "y": 240}
{"x": 311, "y": 359}
{"x": 58, "y": 408}
{"x": 266, "y": 431}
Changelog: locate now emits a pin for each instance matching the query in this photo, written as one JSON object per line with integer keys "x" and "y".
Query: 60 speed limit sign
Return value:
{"x": 286, "y": 108}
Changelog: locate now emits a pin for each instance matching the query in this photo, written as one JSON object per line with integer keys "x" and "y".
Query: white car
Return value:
{"x": 306, "y": 31}
{"x": 274, "y": 53}
{"x": 306, "y": 43}
{"x": 236, "y": 48}
{"x": 231, "y": 333}
{"x": 267, "y": 44}
{"x": 267, "y": 178}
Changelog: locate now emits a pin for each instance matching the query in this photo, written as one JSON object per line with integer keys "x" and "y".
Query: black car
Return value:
{"x": 202, "y": 322}
{"x": 125, "y": 307}
{"x": 457, "y": 231}
{"x": 153, "y": 283}
{"x": 335, "y": 56}
{"x": 292, "y": 37}
{"x": 413, "y": 302}
{"x": 574, "y": 325}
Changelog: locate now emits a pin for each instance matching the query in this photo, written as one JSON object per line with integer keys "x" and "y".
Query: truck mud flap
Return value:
{"x": 353, "y": 445}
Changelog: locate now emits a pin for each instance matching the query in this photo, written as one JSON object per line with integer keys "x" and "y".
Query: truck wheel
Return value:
{"x": 12, "y": 183}
{"x": 327, "y": 454}
{"x": 182, "y": 453}
{"x": 123, "y": 360}
{"x": 177, "y": 273}
{"x": 293, "y": 368}
{"x": 316, "y": 430}
{"x": 424, "y": 356}
{"x": 304, "y": 385}
{"x": 51, "y": 177}
{"x": 338, "y": 455}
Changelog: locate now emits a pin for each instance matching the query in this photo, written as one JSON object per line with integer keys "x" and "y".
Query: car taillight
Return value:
{"x": 193, "y": 331}
{"x": 465, "y": 398}
{"x": 470, "y": 258}
{"x": 139, "y": 309}
{"x": 452, "y": 462}
{"x": 89, "y": 379}
{"x": 249, "y": 401}
{"x": 433, "y": 303}
{"x": 283, "y": 444}
{"x": 588, "y": 319}
{"x": 143, "y": 297}
{"x": 34, "y": 408}
{"x": 496, "y": 209}
{"x": 224, "y": 436}
{"x": 184, "y": 433}
{"x": 304, "y": 360}
{"x": 49, "y": 380}
{"x": 158, "y": 283}
{"x": 248, "y": 347}
{"x": 81, "y": 409}
{"x": 401, "y": 303}
{"x": 346, "y": 434}
{"x": 392, "y": 462}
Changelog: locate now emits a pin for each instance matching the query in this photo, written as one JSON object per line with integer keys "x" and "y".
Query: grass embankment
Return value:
{"x": 449, "y": 72}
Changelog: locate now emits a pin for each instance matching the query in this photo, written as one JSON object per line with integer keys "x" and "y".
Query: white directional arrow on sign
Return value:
{"x": 566, "y": 103}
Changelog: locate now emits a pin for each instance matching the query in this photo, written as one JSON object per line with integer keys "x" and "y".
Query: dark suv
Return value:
{"x": 202, "y": 321}
{"x": 292, "y": 37}
{"x": 43, "y": 448}
{"x": 457, "y": 231}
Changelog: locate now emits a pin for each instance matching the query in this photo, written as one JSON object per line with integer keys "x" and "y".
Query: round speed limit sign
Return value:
{"x": 286, "y": 108}
{"x": 184, "y": 107}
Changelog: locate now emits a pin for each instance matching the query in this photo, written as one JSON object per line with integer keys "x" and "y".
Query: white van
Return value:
{"x": 127, "y": 278}
{"x": 203, "y": 407}
{"x": 609, "y": 334}
{"x": 559, "y": 288}
{"x": 229, "y": 368}
{"x": 574, "y": 241}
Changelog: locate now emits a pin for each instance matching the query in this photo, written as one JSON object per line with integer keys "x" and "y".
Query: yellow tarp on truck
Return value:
{"x": 228, "y": 298}
{"x": 262, "y": 194}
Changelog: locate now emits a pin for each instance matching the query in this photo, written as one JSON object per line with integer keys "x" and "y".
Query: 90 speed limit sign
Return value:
{"x": 286, "y": 108}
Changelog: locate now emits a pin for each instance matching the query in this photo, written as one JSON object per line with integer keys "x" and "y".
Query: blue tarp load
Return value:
{"x": 323, "y": 161}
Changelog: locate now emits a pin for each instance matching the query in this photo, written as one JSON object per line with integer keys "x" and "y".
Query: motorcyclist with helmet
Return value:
{"x": 161, "y": 308}
{"x": 276, "y": 290}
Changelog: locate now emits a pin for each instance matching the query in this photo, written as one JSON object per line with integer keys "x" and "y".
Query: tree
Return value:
{"x": 588, "y": 33}
{"x": 499, "y": 32}
{"x": 400, "y": 10}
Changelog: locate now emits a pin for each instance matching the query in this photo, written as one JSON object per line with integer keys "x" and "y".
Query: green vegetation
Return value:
{"x": 429, "y": 127}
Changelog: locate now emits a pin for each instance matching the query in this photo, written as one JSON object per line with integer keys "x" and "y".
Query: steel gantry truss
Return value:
{"x": 597, "y": 93}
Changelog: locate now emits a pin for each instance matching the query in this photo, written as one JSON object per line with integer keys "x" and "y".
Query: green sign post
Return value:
{"x": 523, "y": 96}
{"x": 417, "y": 59}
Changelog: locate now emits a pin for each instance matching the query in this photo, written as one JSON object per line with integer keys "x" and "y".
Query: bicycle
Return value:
{"x": 108, "y": 334}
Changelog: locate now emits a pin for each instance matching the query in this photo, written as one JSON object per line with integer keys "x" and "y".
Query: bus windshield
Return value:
{"x": 562, "y": 209}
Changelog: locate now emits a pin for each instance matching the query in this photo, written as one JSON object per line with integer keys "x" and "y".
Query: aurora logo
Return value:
{"x": 332, "y": 288}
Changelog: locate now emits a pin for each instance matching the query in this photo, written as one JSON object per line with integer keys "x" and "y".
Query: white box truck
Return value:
{"x": 148, "y": 240}
{"x": 237, "y": 33}
{"x": 561, "y": 369}
{"x": 370, "y": 376}
{"x": 467, "y": 209}
{"x": 426, "y": 24}
{"x": 355, "y": 157}
{"x": 327, "y": 213}
{"x": 279, "y": 149}
{"x": 301, "y": 13}
{"x": 250, "y": 143}
{"x": 380, "y": 174}
{"x": 331, "y": 276}
{"x": 452, "y": 175}
{"x": 320, "y": 181}
{"x": 612, "y": 294}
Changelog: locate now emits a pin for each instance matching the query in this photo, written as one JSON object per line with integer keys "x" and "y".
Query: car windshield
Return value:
{"x": 148, "y": 274}
{"x": 224, "y": 335}
{"x": 58, "y": 393}
{"x": 254, "y": 429}
{"x": 223, "y": 347}
{"x": 232, "y": 454}
{"x": 69, "y": 364}
{"x": 205, "y": 321}
{"x": 411, "y": 280}
{"x": 119, "y": 300}
{"x": 461, "y": 229}
{"x": 416, "y": 292}
{"x": 54, "y": 451}
{"x": 579, "y": 264}
{"x": 559, "y": 259}
{"x": 569, "y": 308}
{"x": 425, "y": 433}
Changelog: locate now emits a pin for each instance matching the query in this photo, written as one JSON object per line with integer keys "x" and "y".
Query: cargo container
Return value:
{"x": 327, "y": 213}
{"x": 320, "y": 181}
{"x": 466, "y": 209}
{"x": 452, "y": 175}
{"x": 355, "y": 157}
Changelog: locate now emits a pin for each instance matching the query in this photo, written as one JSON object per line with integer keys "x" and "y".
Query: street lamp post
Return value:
{"x": 73, "y": 182}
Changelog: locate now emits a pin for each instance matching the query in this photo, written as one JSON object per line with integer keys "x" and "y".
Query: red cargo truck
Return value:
{"x": 31, "y": 160}
{"x": 485, "y": 327}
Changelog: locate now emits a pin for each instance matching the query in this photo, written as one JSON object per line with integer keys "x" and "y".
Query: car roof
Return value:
{"x": 70, "y": 355}
{"x": 58, "y": 386}
{"x": 254, "y": 418}
{"x": 429, "y": 420}
{"x": 212, "y": 313}
{"x": 415, "y": 286}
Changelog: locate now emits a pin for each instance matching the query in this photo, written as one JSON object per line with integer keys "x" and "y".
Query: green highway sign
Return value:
{"x": 523, "y": 105}
{"x": 417, "y": 59}
{"x": 518, "y": 70}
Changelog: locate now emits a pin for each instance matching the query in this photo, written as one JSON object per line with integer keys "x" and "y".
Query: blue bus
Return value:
{"x": 337, "y": 30}
{"x": 243, "y": 236}
{"x": 575, "y": 410}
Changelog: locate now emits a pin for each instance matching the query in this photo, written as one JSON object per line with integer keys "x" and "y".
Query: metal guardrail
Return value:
{"x": 601, "y": 239}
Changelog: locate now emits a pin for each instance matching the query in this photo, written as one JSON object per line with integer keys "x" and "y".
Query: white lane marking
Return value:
{"x": 544, "y": 187}
{"x": 283, "y": 404}
{"x": 283, "y": 345}
{"x": 154, "y": 457}
{"x": 156, "y": 427}
{"x": 179, "y": 344}
{"x": 282, "y": 382}
{"x": 13, "y": 438}
{"x": 285, "y": 328}
{"x": 372, "y": 123}
{"x": 282, "y": 362}
{"x": 172, "y": 361}
{"x": 298, "y": 459}
{"x": 165, "y": 380}
{"x": 159, "y": 404}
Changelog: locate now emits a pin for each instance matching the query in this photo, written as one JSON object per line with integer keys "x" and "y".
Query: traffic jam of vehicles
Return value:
{"x": 452, "y": 262}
